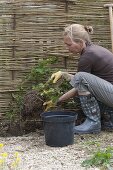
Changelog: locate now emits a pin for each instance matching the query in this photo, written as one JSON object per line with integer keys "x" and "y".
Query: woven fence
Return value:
{"x": 32, "y": 29}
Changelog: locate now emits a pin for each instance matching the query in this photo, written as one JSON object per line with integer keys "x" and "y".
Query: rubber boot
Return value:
{"x": 107, "y": 117}
{"x": 91, "y": 109}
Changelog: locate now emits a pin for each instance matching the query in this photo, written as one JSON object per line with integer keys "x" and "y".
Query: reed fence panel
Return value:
{"x": 32, "y": 29}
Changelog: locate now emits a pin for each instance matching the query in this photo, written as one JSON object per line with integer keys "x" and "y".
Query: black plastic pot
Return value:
{"x": 58, "y": 128}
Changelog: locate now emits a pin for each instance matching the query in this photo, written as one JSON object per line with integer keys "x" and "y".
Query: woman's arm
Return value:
{"x": 70, "y": 94}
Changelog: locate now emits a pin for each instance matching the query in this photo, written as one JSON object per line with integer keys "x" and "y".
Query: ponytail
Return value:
{"x": 89, "y": 29}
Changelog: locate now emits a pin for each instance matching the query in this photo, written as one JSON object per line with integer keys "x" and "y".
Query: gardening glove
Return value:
{"x": 56, "y": 76}
{"x": 48, "y": 104}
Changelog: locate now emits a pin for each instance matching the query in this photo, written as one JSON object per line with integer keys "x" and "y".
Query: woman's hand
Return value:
{"x": 48, "y": 105}
{"x": 56, "y": 76}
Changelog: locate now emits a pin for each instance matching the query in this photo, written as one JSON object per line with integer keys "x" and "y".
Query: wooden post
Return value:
{"x": 111, "y": 21}
{"x": 13, "y": 43}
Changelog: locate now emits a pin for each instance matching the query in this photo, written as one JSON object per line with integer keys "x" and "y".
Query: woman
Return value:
{"x": 93, "y": 83}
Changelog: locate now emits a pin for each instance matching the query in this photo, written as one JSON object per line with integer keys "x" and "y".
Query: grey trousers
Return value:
{"x": 99, "y": 88}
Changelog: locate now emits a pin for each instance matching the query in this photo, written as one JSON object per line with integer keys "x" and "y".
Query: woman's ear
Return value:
{"x": 82, "y": 43}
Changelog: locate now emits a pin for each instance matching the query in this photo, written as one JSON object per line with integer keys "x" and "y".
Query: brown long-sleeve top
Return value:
{"x": 97, "y": 60}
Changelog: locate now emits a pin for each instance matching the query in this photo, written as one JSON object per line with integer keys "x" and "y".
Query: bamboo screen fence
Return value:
{"x": 32, "y": 29}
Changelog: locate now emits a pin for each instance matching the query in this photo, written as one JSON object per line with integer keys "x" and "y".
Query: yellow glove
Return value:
{"x": 56, "y": 76}
{"x": 48, "y": 104}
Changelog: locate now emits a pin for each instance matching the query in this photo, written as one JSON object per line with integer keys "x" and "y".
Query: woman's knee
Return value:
{"x": 82, "y": 75}
{"x": 82, "y": 83}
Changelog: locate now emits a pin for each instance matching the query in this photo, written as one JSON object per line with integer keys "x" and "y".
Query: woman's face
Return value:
{"x": 72, "y": 46}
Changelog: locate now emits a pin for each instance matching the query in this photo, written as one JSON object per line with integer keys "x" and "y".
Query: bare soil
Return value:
{"x": 36, "y": 155}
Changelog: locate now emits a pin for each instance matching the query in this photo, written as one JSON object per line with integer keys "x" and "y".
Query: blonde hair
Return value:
{"x": 78, "y": 32}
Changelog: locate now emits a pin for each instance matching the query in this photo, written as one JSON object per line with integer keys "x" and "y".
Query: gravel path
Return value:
{"x": 36, "y": 155}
